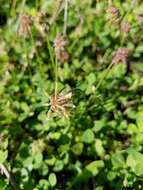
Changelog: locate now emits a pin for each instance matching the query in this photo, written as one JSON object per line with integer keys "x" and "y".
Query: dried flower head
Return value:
{"x": 61, "y": 103}
{"x": 24, "y": 25}
{"x": 125, "y": 27}
{"x": 63, "y": 56}
{"x": 121, "y": 55}
{"x": 40, "y": 23}
{"x": 59, "y": 45}
{"x": 113, "y": 15}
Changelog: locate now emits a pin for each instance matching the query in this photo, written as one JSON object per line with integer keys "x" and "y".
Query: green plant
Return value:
{"x": 71, "y": 105}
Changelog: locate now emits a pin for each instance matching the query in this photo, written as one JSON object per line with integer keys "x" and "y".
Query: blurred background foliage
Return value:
{"x": 100, "y": 144}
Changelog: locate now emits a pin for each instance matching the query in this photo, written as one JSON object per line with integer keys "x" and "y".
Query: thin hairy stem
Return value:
{"x": 56, "y": 76}
{"x": 20, "y": 13}
{"x": 37, "y": 54}
{"x": 65, "y": 17}
{"x": 109, "y": 2}
{"x": 14, "y": 2}
{"x": 51, "y": 53}
{"x": 104, "y": 75}
{"x": 54, "y": 65}
{"x": 25, "y": 51}
{"x": 56, "y": 12}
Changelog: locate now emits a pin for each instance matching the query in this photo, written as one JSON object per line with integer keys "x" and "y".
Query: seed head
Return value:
{"x": 59, "y": 45}
{"x": 63, "y": 56}
{"x": 113, "y": 15}
{"x": 24, "y": 25}
{"x": 125, "y": 27}
{"x": 113, "y": 10}
{"x": 121, "y": 55}
{"x": 40, "y": 23}
{"x": 61, "y": 103}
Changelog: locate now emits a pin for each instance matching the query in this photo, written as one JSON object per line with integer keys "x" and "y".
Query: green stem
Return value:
{"x": 27, "y": 60}
{"x": 37, "y": 4}
{"x": 20, "y": 14}
{"x": 51, "y": 53}
{"x": 37, "y": 54}
{"x": 54, "y": 65}
{"x": 122, "y": 38}
{"x": 25, "y": 51}
{"x": 104, "y": 76}
{"x": 56, "y": 76}
{"x": 109, "y": 2}
{"x": 65, "y": 17}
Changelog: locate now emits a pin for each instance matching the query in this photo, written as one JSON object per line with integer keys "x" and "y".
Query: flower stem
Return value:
{"x": 104, "y": 75}
{"x": 65, "y": 17}
{"x": 56, "y": 76}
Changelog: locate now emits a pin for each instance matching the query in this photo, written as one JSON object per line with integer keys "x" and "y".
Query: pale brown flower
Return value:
{"x": 59, "y": 43}
{"x": 121, "y": 55}
{"x": 24, "y": 25}
{"x": 61, "y": 103}
{"x": 113, "y": 15}
{"x": 59, "y": 46}
{"x": 63, "y": 56}
{"x": 113, "y": 10}
{"x": 40, "y": 23}
{"x": 125, "y": 27}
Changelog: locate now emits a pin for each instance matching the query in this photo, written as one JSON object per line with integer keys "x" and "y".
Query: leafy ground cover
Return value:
{"x": 71, "y": 104}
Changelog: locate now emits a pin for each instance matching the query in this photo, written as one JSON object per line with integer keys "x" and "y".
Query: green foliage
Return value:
{"x": 88, "y": 136}
{"x": 71, "y": 117}
{"x": 3, "y": 156}
{"x": 52, "y": 179}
